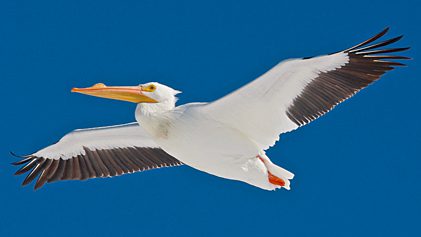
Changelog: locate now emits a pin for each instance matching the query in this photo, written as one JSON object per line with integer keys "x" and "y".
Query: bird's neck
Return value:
{"x": 154, "y": 117}
{"x": 147, "y": 110}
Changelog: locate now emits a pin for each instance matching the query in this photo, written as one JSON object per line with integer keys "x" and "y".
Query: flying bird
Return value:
{"x": 226, "y": 138}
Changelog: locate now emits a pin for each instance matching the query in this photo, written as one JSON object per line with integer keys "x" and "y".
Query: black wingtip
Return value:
{"x": 18, "y": 156}
{"x": 383, "y": 32}
{"x": 370, "y": 40}
{"x": 387, "y": 57}
{"x": 23, "y": 159}
{"x": 14, "y": 154}
{"x": 38, "y": 186}
{"x": 21, "y": 162}
{"x": 381, "y": 51}
{"x": 34, "y": 173}
{"x": 31, "y": 163}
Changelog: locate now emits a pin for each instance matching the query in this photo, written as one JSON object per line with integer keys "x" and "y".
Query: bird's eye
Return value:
{"x": 151, "y": 88}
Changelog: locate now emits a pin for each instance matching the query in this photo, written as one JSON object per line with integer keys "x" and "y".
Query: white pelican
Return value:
{"x": 227, "y": 137}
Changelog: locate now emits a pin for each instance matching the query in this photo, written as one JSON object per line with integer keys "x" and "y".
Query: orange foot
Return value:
{"x": 275, "y": 180}
{"x": 272, "y": 178}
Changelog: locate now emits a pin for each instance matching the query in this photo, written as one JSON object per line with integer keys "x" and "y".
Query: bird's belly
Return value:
{"x": 209, "y": 147}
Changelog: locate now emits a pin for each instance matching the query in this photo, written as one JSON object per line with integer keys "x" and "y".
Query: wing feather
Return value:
{"x": 90, "y": 153}
{"x": 298, "y": 91}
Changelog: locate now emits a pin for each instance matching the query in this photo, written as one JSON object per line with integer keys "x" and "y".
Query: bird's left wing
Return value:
{"x": 96, "y": 152}
{"x": 298, "y": 91}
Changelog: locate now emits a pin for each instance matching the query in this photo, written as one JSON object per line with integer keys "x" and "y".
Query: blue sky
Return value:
{"x": 357, "y": 169}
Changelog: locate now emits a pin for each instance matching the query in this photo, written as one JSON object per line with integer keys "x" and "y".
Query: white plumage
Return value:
{"x": 226, "y": 138}
{"x": 73, "y": 143}
{"x": 264, "y": 102}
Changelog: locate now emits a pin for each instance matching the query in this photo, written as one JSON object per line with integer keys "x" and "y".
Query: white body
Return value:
{"x": 191, "y": 136}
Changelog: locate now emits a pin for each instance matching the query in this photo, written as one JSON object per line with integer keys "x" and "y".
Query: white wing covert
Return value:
{"x": 95, "y": 152}
{"x": 298, "y": 91}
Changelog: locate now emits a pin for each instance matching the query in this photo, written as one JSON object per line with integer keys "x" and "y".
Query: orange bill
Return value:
{"x": 125, "y": 93}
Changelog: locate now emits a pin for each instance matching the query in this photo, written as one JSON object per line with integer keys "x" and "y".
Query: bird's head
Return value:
{"x": 152, "y": 92}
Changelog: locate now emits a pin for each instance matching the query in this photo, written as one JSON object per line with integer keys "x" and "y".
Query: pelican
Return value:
{"x": 226, "y": 138}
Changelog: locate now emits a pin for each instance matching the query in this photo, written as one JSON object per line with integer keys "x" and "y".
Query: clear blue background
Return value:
{"x": 357, "y": 169}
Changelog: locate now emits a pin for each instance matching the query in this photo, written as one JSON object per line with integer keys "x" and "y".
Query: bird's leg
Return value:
{"x": 272, "y": 178}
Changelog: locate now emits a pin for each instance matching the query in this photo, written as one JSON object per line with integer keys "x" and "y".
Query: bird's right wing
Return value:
{"x": 95, "y": 152}
{"x": 298, "y": 91}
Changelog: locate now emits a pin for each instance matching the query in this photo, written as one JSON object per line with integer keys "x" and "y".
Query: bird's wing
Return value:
{"x": 96, "y": 152}
{"x": 298, "y": 91}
